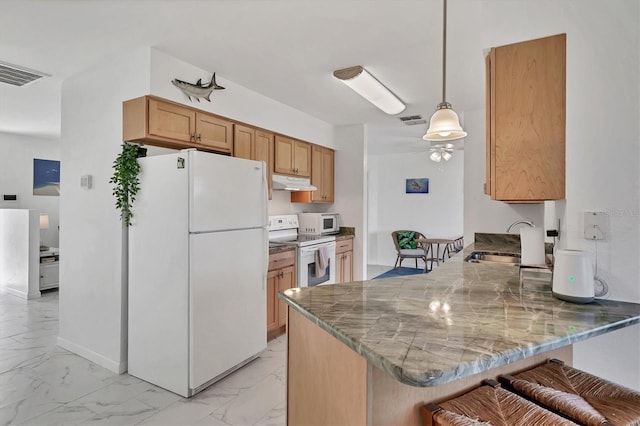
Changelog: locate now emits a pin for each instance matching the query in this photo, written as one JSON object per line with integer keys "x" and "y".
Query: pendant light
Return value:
{"x": 444, "y": 124}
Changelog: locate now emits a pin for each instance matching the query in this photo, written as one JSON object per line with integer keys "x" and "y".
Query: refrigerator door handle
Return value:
{"x": 265, "y": 233}
{"x": 265, "y": 192}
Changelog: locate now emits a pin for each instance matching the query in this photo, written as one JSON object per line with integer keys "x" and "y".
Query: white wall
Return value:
{"x": 33, "y": 109}
{"x": 602, "y": 160}
{"x": 436, "y": 214}
{"x": 236, "y": 102}
{"x": 92, "y": 295}
{"x": 351, "y": 189}
{"x": 16, "y": 168}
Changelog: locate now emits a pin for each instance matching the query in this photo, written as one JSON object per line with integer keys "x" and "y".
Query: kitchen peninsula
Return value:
{"x": 372, "y": 352}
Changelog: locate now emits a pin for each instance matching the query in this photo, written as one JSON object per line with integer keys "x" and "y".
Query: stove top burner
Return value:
{"x": 302, "y": 240}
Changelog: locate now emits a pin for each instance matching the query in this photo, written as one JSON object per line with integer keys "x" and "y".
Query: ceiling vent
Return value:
{"x": 412, "y": 120}
{"x": 18, "y": 76}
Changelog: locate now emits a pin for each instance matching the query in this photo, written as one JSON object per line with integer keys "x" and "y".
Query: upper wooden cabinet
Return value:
{"x": 244, "y": 141}
{"x": 322, "y": 177}
{"x": 254, "y": 144}
{"x": 327, "y": 185}
{"x": 214, "y": 133}
{"x": 526, "y": 110}
{"x": 164, "y": 123}
{"x": 292, "y": 157}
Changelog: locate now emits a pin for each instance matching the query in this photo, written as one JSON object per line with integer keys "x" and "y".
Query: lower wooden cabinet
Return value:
{"x": 281, "y": 276}
{"x": 344, "y": 261}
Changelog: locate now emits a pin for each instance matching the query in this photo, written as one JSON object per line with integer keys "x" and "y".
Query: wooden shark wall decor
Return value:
{"x": 197, "y": 90}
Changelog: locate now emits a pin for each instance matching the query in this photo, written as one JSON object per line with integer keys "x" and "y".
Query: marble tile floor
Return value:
{"x": 43, "y": 384}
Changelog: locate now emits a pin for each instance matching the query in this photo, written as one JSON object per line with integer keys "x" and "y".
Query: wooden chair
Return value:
{"x": 407, "y": 248}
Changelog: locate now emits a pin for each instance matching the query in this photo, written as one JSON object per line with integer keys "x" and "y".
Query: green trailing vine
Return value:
{"x": 125, "y": 178}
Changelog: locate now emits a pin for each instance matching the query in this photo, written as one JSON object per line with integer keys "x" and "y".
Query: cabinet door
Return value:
{"x": 49, "y": 275}
{"x": 284, "y": 148}
{"x": 339, "y": 267}
{"x": 264, "y": 152}
{"x": 317, "y": 171}
{"x": 286, "y": 281}
{"x": 302, "y": 159}
{"x": 490, "y": 137}
{"x": 528, "y": 120}
{"x": 243, "y": 142}
{"x": 214, "y": 132}
{"x": 347, "y": 267}
{"x": 171, "y": 121}
{"x": 327, "y": 174}
{"x": 272, "y": 300}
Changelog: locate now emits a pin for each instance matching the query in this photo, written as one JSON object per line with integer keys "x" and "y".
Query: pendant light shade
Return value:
{"x": 444, "y": 124}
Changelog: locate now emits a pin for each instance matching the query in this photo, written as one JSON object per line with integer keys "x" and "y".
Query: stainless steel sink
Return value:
{"x": 493, "y": 257}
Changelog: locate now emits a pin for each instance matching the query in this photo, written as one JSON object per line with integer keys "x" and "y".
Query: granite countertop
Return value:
{"x": 344, "y": 237}
{"x": 280, "y": 249}
{"x": 459, "y": 320}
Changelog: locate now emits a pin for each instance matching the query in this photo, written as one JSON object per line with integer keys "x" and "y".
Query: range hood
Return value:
{"x": 290, "y": 183}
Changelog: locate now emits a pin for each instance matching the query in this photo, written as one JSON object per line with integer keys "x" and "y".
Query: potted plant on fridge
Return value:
{"x": 125, "y": 178}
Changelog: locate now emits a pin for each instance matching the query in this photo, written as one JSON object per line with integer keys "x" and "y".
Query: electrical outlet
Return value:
{"x": 596, "y": 225}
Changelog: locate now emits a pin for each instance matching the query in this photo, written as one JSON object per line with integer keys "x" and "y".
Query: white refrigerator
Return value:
{"x": 198, "y": 253}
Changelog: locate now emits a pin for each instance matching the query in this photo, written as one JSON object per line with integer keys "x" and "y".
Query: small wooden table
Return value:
{"x": 433, "y": 245}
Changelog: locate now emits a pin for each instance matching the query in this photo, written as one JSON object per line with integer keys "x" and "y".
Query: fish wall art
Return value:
{"x": 417, "y": 186}
{"x": 197, "y": 90}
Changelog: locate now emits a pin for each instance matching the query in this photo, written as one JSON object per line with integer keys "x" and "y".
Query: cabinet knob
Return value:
{"x": 199, "y": 137}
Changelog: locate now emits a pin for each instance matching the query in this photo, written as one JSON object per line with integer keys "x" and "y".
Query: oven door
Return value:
{"x": 308, "y": 275}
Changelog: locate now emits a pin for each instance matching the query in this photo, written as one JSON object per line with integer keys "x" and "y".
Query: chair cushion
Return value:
{"x": 412, "y": 252}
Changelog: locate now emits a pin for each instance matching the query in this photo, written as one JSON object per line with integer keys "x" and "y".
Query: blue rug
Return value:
{"x": 398, "y": 272}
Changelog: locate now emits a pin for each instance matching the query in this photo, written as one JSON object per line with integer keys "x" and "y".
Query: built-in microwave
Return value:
{"x": 318, "y": 223}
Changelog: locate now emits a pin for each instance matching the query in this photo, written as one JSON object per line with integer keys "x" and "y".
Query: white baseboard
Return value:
{"x": 22, "y": 294}
{"x": 101, "y": 360}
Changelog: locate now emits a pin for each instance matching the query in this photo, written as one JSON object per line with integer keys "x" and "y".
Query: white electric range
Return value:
{"x": 315, "y": 254}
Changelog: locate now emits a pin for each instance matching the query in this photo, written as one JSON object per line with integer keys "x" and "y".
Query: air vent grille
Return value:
{"x": 18, "y": 76}
{"x": 412, "y": 120}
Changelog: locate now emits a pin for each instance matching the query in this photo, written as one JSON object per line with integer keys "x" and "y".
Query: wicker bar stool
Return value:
{"x": 585, "y": 398}
{"x": 489, "y": 404}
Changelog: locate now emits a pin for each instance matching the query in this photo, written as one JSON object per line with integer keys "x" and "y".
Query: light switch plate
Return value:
{"x": 596, "y": 225}
{"x": 86, "y": 181}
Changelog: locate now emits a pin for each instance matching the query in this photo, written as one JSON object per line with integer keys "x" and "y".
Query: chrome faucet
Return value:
{"x": 520, "y": 222}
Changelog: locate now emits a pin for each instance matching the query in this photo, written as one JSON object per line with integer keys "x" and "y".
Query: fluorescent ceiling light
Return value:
{"x": 371, "y": 89}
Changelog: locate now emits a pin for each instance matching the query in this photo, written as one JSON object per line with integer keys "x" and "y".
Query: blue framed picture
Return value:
{"x": 46, "y": 177}
{"x": 417, "y": 186}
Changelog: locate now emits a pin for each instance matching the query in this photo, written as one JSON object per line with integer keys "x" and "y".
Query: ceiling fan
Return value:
{"x": 441, "y": 151}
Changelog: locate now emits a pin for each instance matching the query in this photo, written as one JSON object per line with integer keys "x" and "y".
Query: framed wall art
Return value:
{"x": 417, "y": 186}
{"x": 46, "y": 177}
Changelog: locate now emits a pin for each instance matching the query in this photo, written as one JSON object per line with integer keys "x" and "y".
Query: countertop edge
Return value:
{"x": 439, "y": 377}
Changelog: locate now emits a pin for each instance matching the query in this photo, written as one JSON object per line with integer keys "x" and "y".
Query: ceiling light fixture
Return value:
{"x": 441, "y": 152}
{"x": 371, "y": 89}
{"x": 444, "y": 124}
